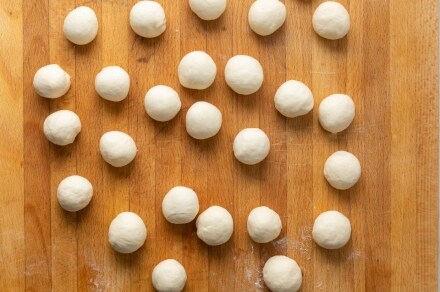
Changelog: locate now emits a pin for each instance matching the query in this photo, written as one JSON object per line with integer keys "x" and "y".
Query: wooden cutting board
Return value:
{"x": 388, "y": 64}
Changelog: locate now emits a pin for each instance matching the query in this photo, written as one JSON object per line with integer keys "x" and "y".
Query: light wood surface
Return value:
{"x": 388, "y": 64}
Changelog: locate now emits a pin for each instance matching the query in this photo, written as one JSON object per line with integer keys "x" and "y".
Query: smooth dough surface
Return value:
{"x": 215, "y": 226}
{"x": 62, "y": 127}
{"x": 251, "y": 146}
{"x": 162, "y": 103}
{"x": 81, "y": 25}
{"x": 331, "y": 20}
{"x": 203, "y": 120}
{"x": 112, "y": 83}
{"x": 293, "y": 98}
{"x": 180, "y": 205}
{"x": 147, "y": 19}
{"x": 197, "y": 70}
{"x": 263, "y": 224}
{"x": 266, "y": 16}
{"x": 342, "y": 170}
{"x": 169, "y": 276}
{"x": 336, "y": 112}
{"x": 244, "y": 74}
{"x": 51, "y": 81}
{"x": 117, "y": 148}
{"x": 208, "y": 9}
{"x": 282, "y": 274}
{"x": 127, "y": 232}
{"x": 331, "y": 230}
{"x": 74, "y": 193}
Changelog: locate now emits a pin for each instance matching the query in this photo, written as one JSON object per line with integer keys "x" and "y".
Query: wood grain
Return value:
{"x": 388, "y": 64}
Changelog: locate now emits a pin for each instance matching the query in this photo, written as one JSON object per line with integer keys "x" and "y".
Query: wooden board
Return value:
{"x": 388, "y": 64}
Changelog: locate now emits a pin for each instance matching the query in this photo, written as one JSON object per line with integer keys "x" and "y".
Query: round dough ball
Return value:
{"x": 244, "y": 74}
{"x": 215, "y": 226}
{"x": 197, "y": 70}
{"x": 342, "y": 170}
{"x": 169, "y": 276}
{"x": 263, "y": 224}
{"x": 203, "y": 120}
{"x": 147, "y": 19}
{"x": 51, "y": 81}
{"x": 294, "y": 99}
{"x": 336, "y": 112}
{"x": 117, "y": 148}
{"x": 266, "y": 16}
{"x": 208, "y": 9}
{"x": 112, "y": 83}
{"x": 251, "y": 146}
{"x": 62, "y": 127}
{"x": 180, "y": 205}
{"x": 127, "y": 232}
{"x": 331, "y": 230}
{"x": 74, "y": 193}
{"x": 282, "y": 274}
{"x": 81, "y": 25}
{"x": 162, "y": 103}
{"x": 331, "y": 20}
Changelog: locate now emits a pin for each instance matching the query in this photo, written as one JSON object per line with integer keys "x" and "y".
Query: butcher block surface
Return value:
{"x": 388, "y": 64}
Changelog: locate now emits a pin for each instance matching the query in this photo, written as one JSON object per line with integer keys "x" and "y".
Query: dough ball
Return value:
{"x": 74, "y": 193}
{"x": 81, "y": 25}
{"x": 294, "y": 99}
{"x": 62, "y": 127}
{"x": 117, "y": 148}
{"x": 147, "y": 19}
{"x": 112, "y": 83}
{"x": 331, "y": 230}
{"x": 263, "y": 224}
{"x": 208, "y": 9}
{"x": 282, "y": 274}
{"x": 342, "y": 170}
{"x": 251, "y": 146}
{"x": 197, "y": 70}
{"x": 336, "y": 112}
{"x": 127, "y": 232}
{"x": 244, "y": 74}
{"x": 169, "y": 276}
{"x": 203, "y": 120}
{"x": 266, "y": 16}
{"x": 162, "y": 103}
{"x": 331, "y": 20}
{"x": 51, "y": 81}
{"x": 180, "y": 205}
{"x": 215, "y": 225}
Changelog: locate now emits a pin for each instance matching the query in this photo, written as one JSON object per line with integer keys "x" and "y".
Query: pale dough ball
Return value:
{"x": 342, "y": 170}
{"x": 169, "y": 276}
{"x": 203, "y": 120}
{"x": 244, "y": 74}
{"x": 162, "y": 103}
{"x": 266, "y": 16}
{"x": 81, "y": 25}
{"x": 208, "y": 9}
{"x": 294, "y": 99}
{"x": 51, "y": 81}
{"x": 331, "y": 230}
{"x": 112, "y": 83}
{"x": 127, "y": 232}
{"x": 117, "y": 148}
{"x": 251, "y": 146}
{"x": 74, "y": 193}
{"x": 197, "y": 70}
{"x": 282, "y": 274}
{"x": 180, "y": 205}
{"x": 215, "y": 225}
{"x": 336, "y": 112}
{"x": 331, "y": 20}
{"x": 147, "y": 19}
{"x": 263, "y": 224}
{"x": 62, "y": 127}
